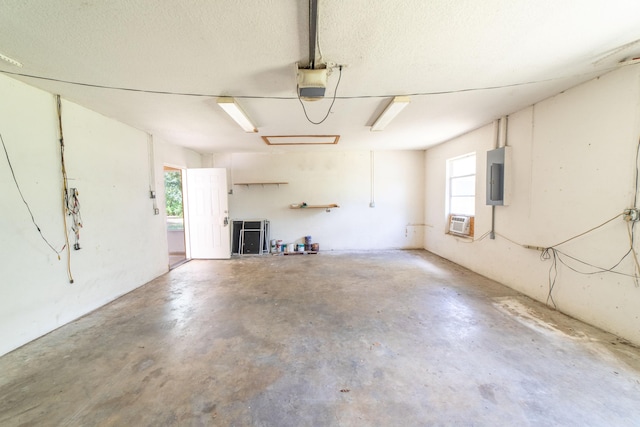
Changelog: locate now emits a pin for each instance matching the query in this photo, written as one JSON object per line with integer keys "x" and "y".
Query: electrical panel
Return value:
{"x": 498, "y": 167}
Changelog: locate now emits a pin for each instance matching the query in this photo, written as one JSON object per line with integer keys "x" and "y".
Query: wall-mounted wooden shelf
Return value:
{"x": 248, "y": 184}
{"x": 327, "y": 207}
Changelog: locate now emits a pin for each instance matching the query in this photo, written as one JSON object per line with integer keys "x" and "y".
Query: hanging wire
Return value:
{"x": 27, "y": 204}
{"x": 635, "y": 194}
{"x": 73, "y": 210}
{"x": 632, "y": 225}
{"x": 210, "y": 95}
{"x": 335, "y": 92}
{"x": 556, "y": 256}
{"x": 65, "y": 187}
{"x": 587, "y": 232}
{"x": 631, "y": 229}
{"x": 553, "y": 273}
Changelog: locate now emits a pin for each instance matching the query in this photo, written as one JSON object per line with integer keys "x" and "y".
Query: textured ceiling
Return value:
{"x": 515, "y": 52}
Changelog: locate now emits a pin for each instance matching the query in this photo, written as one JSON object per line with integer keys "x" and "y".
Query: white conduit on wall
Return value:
{"x": 372, "y": 203}
{"x": 500, "y": 140}
{"x": 152, "y": 174}
{"x": 230, "y": 183}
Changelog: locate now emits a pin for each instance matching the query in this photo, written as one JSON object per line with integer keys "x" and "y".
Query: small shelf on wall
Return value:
{"x": 305, "y": 206}
{"x": 249, "y": 184}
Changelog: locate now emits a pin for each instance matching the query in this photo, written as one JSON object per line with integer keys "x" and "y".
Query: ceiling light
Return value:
{"x": 392, "y": 110}
{"x": 10, "y": 60}
{"x": 229, "y": 105}
{"x": 301, "y": 139}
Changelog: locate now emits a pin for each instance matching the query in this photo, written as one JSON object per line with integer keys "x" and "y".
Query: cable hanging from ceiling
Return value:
{"x": 335, "y": 92}
{"x": 285, "y": 98}
{"x": 70, "y": 202}
{"x": 33, "y": 220}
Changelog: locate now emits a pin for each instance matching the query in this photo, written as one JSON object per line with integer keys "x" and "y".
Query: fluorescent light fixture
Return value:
{"x": 301, "y": 139}
{"x": 10, "y": 60}
{"x": 395, "y": 106}
{"x": 229, "y": 105}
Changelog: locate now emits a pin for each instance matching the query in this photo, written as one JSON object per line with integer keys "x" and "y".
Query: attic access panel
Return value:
{"x": 301, "y": 139}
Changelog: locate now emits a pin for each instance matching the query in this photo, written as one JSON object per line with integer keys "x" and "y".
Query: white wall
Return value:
{"x": 176, "y": 157}
{"x": 573, "y": 168}
{"x": 123, "y": 242}
{"x": 343, "y": 178}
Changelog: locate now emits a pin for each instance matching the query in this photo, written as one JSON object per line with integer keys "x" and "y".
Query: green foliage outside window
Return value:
{"x": 173, "y": 192}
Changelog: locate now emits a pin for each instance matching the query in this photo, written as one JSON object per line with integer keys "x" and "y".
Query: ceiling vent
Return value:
{"x": 312, "y": 84}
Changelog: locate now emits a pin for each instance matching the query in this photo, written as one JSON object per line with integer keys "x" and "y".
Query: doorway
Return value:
{"x": 174, "y": 200}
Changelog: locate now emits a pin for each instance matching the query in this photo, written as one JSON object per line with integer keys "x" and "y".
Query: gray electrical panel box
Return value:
{"x": 498, "y": 162}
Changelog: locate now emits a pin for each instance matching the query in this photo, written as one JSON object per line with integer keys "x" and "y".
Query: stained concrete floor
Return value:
{"x": 393, "y": 338}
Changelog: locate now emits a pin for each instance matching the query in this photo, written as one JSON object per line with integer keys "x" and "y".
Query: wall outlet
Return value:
{"x": 372, "y": 204}
{"x": 631, "y": 215}
{"x": 156, "y": 211}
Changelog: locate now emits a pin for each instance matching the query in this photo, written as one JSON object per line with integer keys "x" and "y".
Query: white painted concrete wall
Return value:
{"x": 123, "y": 244}
{"x": 573, "y": 168}
{"x": 176, "y": 157}
{"x": 343, "y": 178}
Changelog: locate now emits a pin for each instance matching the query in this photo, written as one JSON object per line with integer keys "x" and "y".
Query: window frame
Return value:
{"x": 450, "y": 178}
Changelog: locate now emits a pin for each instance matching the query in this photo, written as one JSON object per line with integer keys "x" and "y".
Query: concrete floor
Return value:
{"x": 176, "y": 259}
{"x": 393, "y": 338}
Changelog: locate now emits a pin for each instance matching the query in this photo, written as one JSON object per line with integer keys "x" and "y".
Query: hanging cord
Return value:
{"x": 551, "y": 253}
{"x": 556, "y": 256}
{"x": 25, "y": 202}
{"x": 586, "y": 232}
{"x": 632, "y": 224}
{"x": 554, "y": 253}
{"x": 239, "y": 96}
{"x": 335, "y": 93}
{"x": 73, "y": 209}
{"x": 635, "y": 194}
{"x": 65, "y": 187}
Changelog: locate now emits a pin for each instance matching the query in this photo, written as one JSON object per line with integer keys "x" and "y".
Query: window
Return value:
{"x": 461, "y": 185}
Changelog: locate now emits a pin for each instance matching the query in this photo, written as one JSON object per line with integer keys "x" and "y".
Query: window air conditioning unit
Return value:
{"x": 460, "y": 224}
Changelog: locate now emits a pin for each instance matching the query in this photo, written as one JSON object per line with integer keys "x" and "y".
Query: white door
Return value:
{"x": 208, "y": 213}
